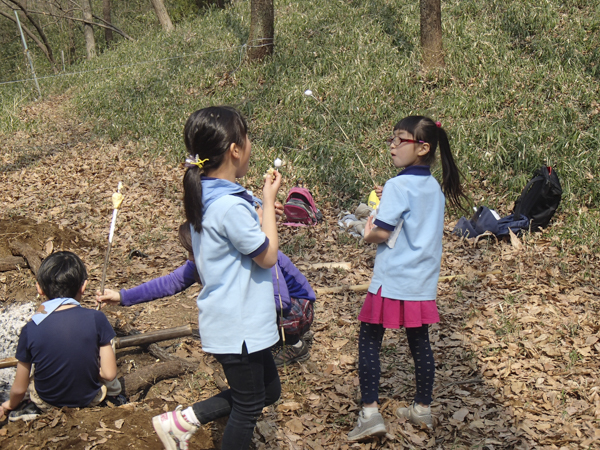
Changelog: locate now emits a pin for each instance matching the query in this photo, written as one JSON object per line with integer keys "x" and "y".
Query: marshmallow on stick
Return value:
{"x": 117, "y": 199}
{"x": 277, "y": 163}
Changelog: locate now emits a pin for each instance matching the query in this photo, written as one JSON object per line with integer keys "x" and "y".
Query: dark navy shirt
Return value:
{"x": 65, "y": 349}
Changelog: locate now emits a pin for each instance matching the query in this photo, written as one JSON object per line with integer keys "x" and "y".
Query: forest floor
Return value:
{"x": 516, "y": 351}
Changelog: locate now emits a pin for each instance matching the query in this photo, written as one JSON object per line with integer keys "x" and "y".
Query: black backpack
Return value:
{"x": 540, "y": 198}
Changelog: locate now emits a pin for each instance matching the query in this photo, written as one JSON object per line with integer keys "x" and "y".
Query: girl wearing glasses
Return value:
{"x": 408, "y": 229}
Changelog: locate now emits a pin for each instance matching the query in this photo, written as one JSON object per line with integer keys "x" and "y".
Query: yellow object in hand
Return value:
{"x": 269, "y": 172}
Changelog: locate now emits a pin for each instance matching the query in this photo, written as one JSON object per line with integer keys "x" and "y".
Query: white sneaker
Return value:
{"x": 373, "y": 426}
{"x": 173, "y": 430}
{"x": 415, "y": 417}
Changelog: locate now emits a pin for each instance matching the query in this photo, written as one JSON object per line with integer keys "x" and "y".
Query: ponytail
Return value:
{"x": 208, "y": 134}
{"x": 450, "y": 173}
{"x": 192, "y": 197}
{"x": 424, "y": 129}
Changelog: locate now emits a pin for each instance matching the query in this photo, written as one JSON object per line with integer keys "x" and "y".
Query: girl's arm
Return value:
{"x": 374, "y": 234}
{"x": 171, "y": 284}
{"x": 18, "y": 389}
{"x": 268, "y": 258}
{"x": 108, "y": 363}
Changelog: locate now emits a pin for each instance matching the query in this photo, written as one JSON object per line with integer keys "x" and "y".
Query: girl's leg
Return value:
{"x": 420, "y": 348}
{"x": 254, "y": 383}
{"x": 369, "y": 370}
{"x": 370, "y": 422}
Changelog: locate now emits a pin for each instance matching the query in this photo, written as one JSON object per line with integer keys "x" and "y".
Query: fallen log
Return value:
{"x": 364, "y": 287}
{"x": 12, "y": 263}
{"x": 19, "y": 248}
{"x": 148, "y": 376}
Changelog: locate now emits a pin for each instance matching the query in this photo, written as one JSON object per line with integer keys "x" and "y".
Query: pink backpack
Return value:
{"x": 300, "y": 209}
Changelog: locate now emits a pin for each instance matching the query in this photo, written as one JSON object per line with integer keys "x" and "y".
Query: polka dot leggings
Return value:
{"x": 369, "y": 370}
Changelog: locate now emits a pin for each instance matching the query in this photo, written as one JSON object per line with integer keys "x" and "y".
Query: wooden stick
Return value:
{"x": 331, "y": 265}
{"x": 132, "y": 340}
{"x": 153, "y": 336}
{"x": 335, "y": 289}
{"x": 463, "y": 275}
{"x": 8, "y": 362}
{"x": 364, "y": 287}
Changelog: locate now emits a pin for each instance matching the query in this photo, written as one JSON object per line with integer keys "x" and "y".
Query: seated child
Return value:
{"x": 66, "y": 347}
{"x": 294, "y": 298}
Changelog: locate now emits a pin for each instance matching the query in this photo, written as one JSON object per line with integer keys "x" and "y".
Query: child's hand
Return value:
{"x": 5, "y": 408}
{"x": 379, "y": 191}
{"x": 278, "y": 210}
{"x": 109, "y": 297}
{"x": 272, "y": 184}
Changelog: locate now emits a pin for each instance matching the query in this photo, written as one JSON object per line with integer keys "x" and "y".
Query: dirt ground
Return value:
{"x": 516, "y": 351}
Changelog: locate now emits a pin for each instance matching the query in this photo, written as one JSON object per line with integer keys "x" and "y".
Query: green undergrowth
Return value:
{"x": 520, "y": 89}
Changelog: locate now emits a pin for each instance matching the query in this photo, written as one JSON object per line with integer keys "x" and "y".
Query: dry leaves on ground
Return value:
{"x": 516, "y": 352}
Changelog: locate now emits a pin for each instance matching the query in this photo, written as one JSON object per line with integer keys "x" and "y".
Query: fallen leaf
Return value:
{"x": 294, "y": 426}
{"x": 514, "y": 240}
{"x": 289, "y": 406}
{"x": 460, "y": 414}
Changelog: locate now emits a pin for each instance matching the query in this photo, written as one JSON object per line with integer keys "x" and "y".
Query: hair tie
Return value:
{"x": 192, "y": 161}
{"x": 438, "y": 124}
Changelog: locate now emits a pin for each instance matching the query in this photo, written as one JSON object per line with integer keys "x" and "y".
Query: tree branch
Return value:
{"x": 39, "y": 30}
{"x": 108, "y": 25}
{"x": 28, "y": 33}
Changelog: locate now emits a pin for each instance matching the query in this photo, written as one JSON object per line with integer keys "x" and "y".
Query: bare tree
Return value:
{"x": 108, "y": 36}
{"x": 88, "y": 30}
{"x": 29, "y": 33}
{"x": 48, "y": 49}
{"x": 431, "y": 34}
{"x": 262, "y": 29}
{"x": 162, "y": 14}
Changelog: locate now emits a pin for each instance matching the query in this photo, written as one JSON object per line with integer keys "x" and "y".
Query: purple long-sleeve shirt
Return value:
{"x": 287, "y": 281}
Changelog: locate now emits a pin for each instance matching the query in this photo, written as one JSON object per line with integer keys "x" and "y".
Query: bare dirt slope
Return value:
{"x": 516, "y": 351}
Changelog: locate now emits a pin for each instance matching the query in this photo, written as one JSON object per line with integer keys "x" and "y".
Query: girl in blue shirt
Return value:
{"x": 233, "y": 255}
{"x": 408, "y": 229}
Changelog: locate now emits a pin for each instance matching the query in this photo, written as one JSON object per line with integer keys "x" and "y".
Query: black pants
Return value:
{"x": 369, "y": 344}
{"x": 253, "y": 383}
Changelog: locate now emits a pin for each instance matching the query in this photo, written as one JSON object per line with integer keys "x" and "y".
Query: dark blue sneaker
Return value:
{"x": 26, "y": 411}
{"x": 116, "y": 400}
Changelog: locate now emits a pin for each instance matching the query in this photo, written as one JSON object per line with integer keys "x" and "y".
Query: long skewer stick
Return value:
{"x": 117, "y": 199}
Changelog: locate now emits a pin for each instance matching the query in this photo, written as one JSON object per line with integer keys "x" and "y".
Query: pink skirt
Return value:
{"x": 398, "y": 313}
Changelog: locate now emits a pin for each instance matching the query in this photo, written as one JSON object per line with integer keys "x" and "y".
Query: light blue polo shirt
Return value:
{"x": 411, "y": 269}
{"x": 236, "y": 302}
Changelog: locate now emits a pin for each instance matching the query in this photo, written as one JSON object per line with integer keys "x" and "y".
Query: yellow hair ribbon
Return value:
{"x": 194, "y": 161}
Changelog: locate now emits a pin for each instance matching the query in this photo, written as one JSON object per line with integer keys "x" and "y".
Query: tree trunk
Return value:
{"x": 88, "y": 30}
{"x": 431, "y": 34}
{"x": 162, "y": 14}
{"x": 262, "y": 29}
{"x": 108, "y": 34}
